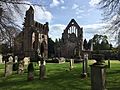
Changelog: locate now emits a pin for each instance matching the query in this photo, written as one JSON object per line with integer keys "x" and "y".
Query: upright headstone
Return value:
{"x": 42, "y": 69}
{"x": 71, "y": 63}
{"x": 98, "y": 74}
{"x": 26, "y": 60}
{"x": 0, "y": 58}
{"x": 21, "y": 67}
{"x": 16, "y": 59}
{"x": 30, "y": 71}
{"x": 9, "y": 66}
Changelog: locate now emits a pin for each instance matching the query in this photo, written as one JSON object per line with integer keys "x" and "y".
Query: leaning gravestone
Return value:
{"x": 9, "y": 66}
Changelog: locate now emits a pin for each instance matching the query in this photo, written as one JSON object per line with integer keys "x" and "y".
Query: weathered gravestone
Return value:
{"x": 61, "y": 60}
{"x": 71, "y": 63}
{"x": 0, "y": 58}
{"x": 26, "y": 60}
{"x": 21, "y": 67}
{"x": 9, "y": 66}
{"x": 42, "y": 69}
{"x": 98, "y": 74}
{"x": 30, "y": 71}
{"x": 16, "y": 59}
{"x": 85, "y": 65}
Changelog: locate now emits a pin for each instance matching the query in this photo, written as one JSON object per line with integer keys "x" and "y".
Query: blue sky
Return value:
{"x": 59, "y": 13}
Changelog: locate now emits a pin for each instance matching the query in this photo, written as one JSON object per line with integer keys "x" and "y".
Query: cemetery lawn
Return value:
{"x": 59, "y": 78}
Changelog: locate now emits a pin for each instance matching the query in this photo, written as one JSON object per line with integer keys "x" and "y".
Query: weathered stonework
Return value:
{"x": 71, "y": 43}
{"x": 33, "y": 38}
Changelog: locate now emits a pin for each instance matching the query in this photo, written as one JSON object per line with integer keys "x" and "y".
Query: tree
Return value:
{"x": 111, "y": 12}
{"x": 85, "y": 44}
{"x": 100, "y": 42}
{"x": 51, "y": 45}
{"x": 7, "y": 7}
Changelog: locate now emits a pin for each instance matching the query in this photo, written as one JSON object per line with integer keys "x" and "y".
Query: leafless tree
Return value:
{"x": 111, "y": 13}
{"x": 7, "y": 7}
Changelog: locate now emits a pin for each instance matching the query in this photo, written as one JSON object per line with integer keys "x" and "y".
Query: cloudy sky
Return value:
{"x": 59, "y": 13}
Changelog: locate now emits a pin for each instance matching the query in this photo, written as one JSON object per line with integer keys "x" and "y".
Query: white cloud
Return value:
{"x": 62, "y": 1}
{"x": 91, "y": 29}
{"x": 56, "y": 3}
{"x": 75, "y": 6}
{"x": 56, "y": 31}
{"x": 40, "y": 14}
{"x": 63, "y": 7}
{"x": 93, "y": 3}
{"x": 79, "y": 17}
{"x": 78, "y": 10}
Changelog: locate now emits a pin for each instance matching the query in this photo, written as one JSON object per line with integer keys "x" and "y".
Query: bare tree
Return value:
{"x": 7, "y": 7}
{"x": 111, "y": 13}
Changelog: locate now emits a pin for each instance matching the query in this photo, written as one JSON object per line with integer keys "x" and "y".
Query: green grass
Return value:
{"x": 59, "y": 78}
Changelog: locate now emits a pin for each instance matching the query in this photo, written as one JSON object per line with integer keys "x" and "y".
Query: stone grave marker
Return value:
{"x": 16, "y": 59}
{"x": 9, "y": 66}
{"x": 42, "y": 70}
{"x": 0, "y": 58}
{"x": 21, "y": 67}
{"x": 61, "y": 60}
{"x": 71, "y": 63}
{"x": 26, "y": 60}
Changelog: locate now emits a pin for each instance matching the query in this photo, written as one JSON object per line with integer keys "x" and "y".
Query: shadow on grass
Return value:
{"x": 57, "y": 79}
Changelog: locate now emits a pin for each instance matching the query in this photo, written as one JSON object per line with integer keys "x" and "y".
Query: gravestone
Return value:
{"x": 30, "y": 71}
{"x": 98, "y": 74}
{"x": 42, "y": 69}
{"x": 61, "y": 60}
{"x": 0, "y": 58}
{"x": 9, "y": 66}
{"x": 16, "y": 59}
{"x": 21, "y": 67}
{"x": 85, "y": 65}
{"x": 26, "y": 60}
{"x": 71, "y": 63}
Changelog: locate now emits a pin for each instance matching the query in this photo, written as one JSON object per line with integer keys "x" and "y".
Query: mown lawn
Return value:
{"x": 59, "y": 78}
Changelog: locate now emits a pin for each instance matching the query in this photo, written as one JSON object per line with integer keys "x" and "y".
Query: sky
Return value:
{"x": 59, "y": 13}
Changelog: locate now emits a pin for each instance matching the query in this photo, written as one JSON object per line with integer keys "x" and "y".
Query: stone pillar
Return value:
{"x": 85, "y": 66}
{"x": 98, "y": 74}
{"x": 42, "y": 69}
